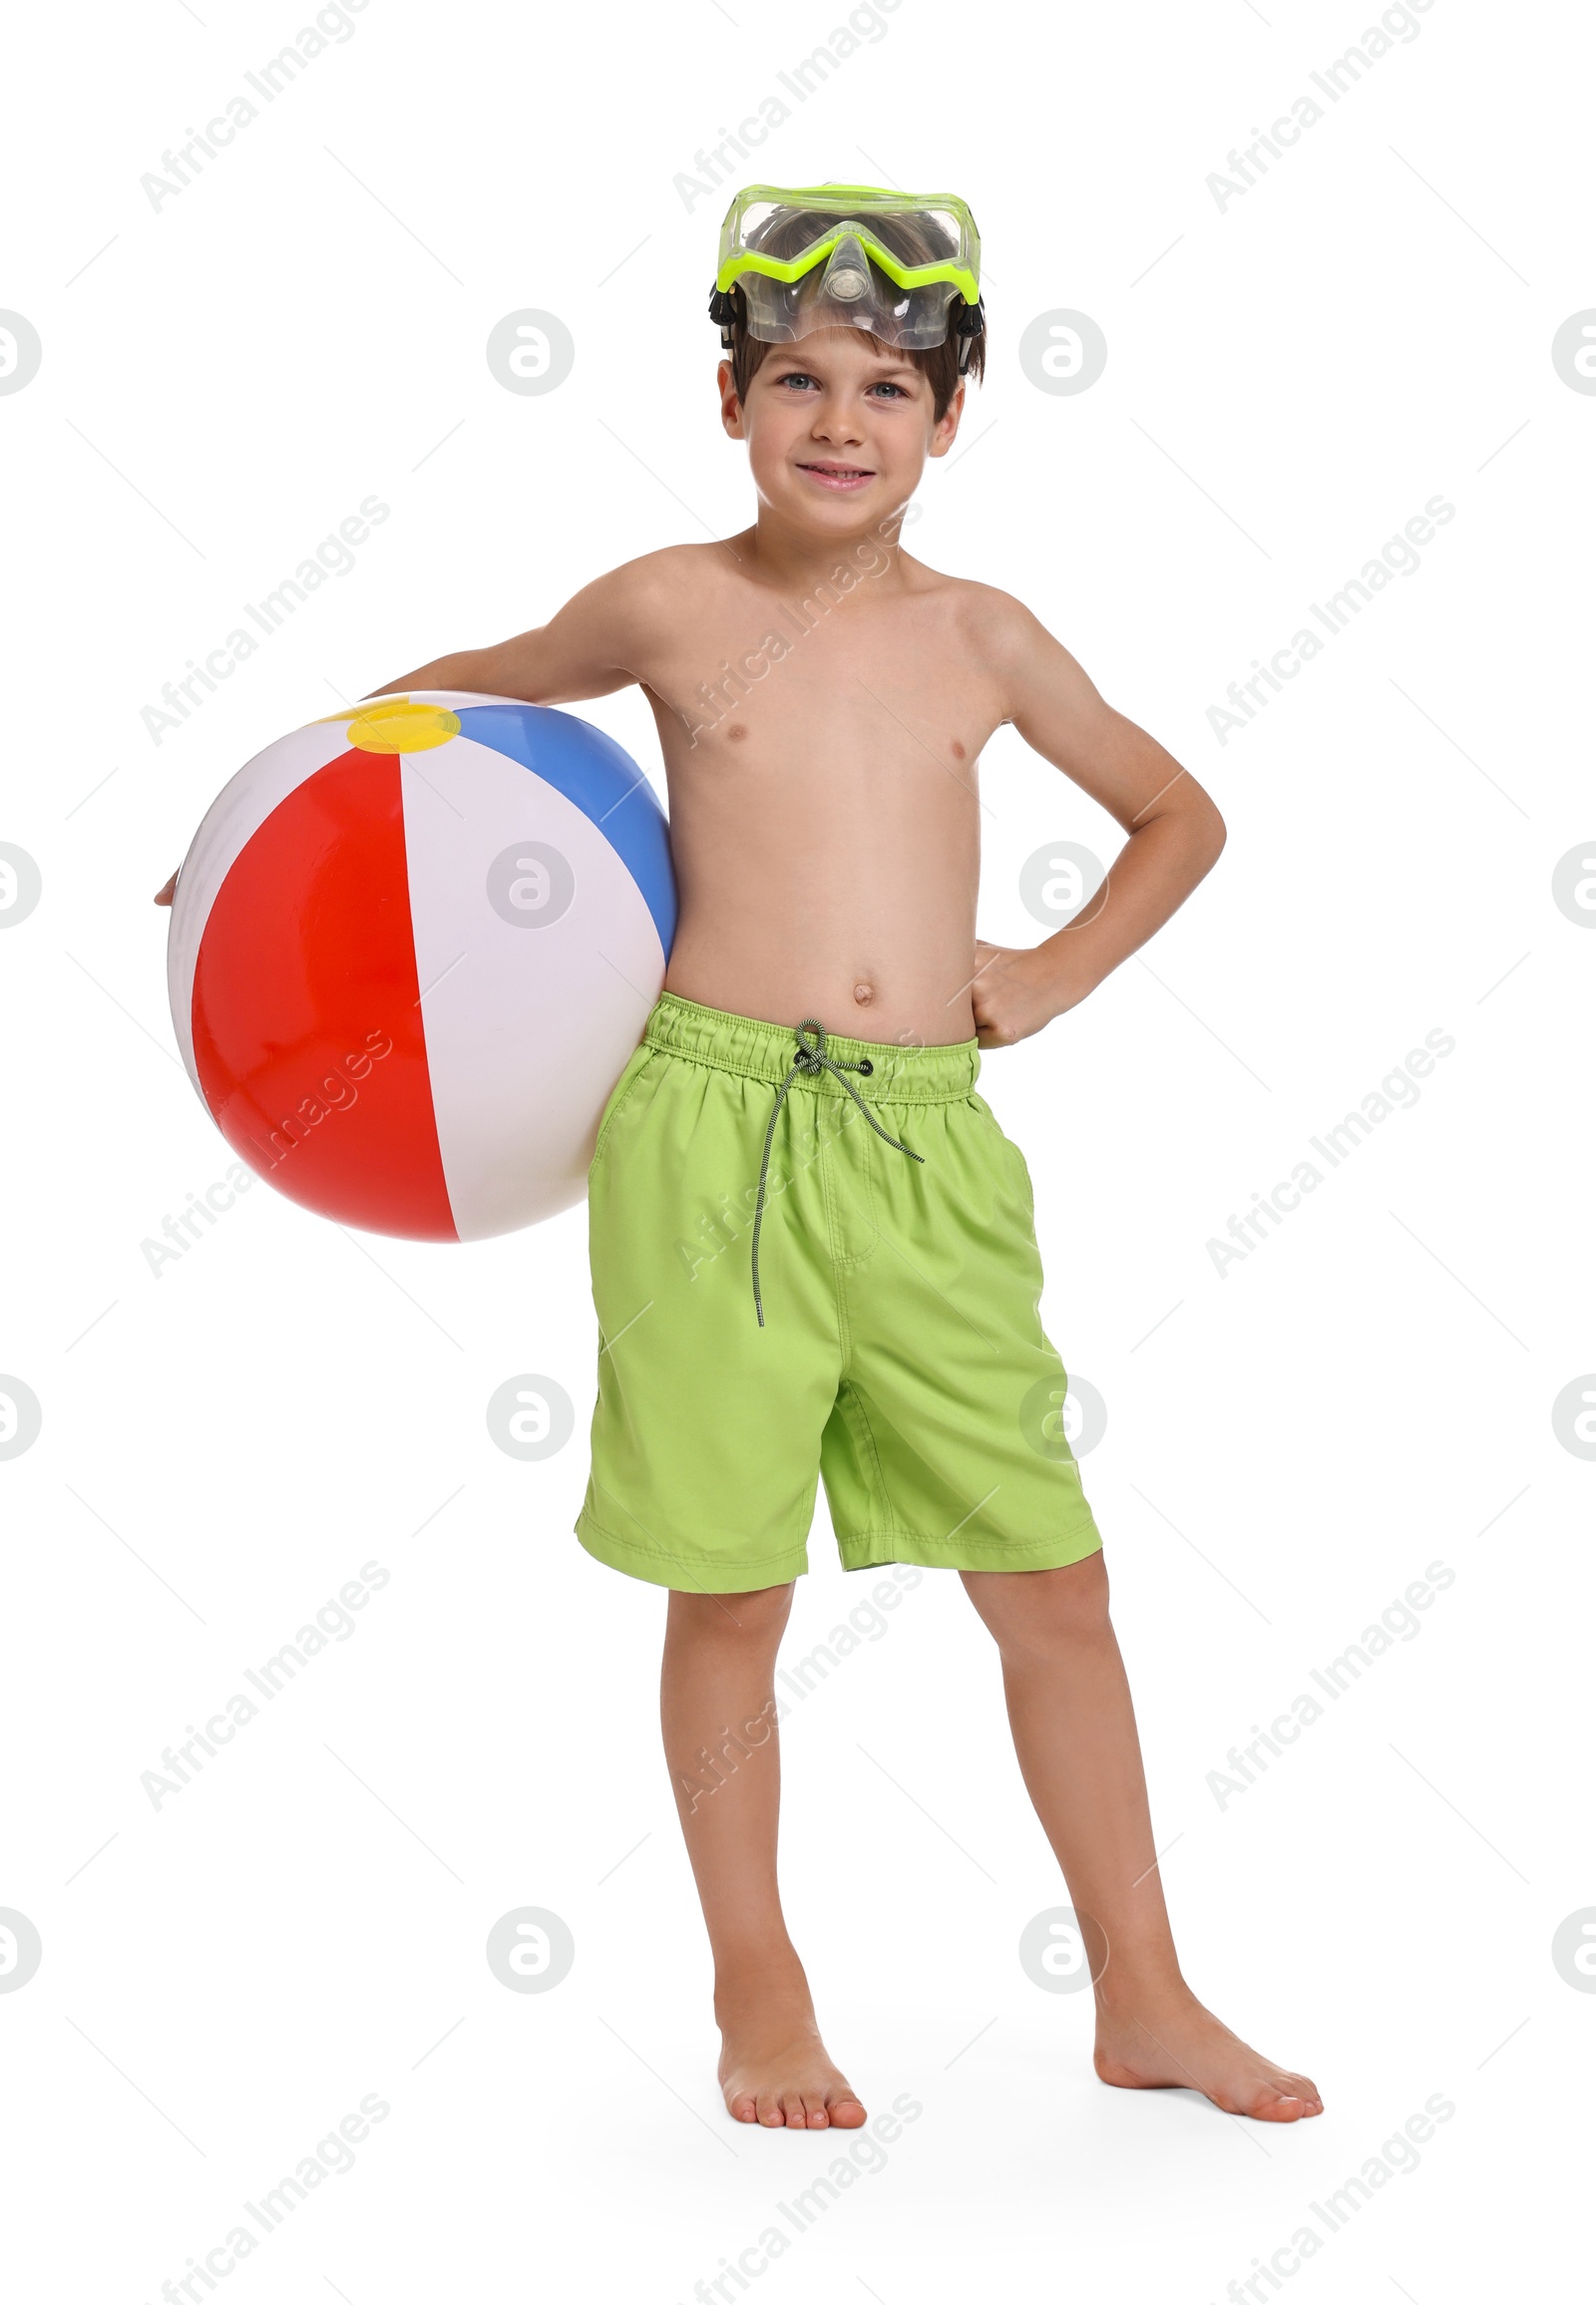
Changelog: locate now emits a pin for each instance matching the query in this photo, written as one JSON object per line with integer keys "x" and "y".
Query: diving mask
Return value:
{"x": 907, "y": 271}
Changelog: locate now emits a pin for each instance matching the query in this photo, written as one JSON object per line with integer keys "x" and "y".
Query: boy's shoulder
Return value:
{"x": 662, "y": 586}
{"x": 670, "y": 563}
{"x": 986, "y": 617}
{"x": 666, "y": 572}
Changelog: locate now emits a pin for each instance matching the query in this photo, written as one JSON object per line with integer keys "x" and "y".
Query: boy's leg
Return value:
{"x": 1075, "y": 1738}
{"x": 717, "y": 1709}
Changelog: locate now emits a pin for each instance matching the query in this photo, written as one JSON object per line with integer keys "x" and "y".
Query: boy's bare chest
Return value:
{"x": 787, "y": 684}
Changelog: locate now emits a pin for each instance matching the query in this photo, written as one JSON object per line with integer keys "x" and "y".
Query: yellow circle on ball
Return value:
{"x": 394, "y": 725}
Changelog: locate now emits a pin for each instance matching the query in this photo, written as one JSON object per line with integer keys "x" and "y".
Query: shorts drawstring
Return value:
{"x": 812, "y": 1058}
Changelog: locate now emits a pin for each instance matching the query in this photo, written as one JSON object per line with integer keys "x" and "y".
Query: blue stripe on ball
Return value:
{"x": 600, "y": 777}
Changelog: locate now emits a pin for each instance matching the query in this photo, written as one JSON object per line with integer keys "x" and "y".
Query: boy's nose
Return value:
{"x": 836, "y": 424}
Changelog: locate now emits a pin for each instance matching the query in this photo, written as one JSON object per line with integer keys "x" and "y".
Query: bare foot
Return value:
{"x": 773, "y": 2063}
{"x": 1178, "y": 2044}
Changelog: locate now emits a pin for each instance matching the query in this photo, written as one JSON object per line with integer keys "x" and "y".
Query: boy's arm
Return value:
{"x": 587, "y": 649}
{"x": 590, "y": 648}
{"x": 1175, "y": 831}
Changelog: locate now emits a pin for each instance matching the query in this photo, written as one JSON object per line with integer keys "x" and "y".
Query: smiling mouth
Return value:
{"x": 838, "y": 474}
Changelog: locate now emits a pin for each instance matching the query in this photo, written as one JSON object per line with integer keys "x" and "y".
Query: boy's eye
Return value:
{"x": 801, "y": 380}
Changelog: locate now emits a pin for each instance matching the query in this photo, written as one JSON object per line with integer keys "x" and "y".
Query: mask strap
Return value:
{"x": 723, "y": 310}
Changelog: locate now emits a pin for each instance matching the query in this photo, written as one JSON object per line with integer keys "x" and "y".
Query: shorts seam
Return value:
{"x": 1028, "y": 1182}
{"x": 1007, "y": 1546}
{"x": 655, "y": 1552}
{"x": 614, "y": 1114}
{"x": 836, "y": 1233}
{"x": 895, "y": 1529}
{"x": 839, "y": 1277}
{"x": 867, "y": 1165}
{"x": 737, "y": 1561}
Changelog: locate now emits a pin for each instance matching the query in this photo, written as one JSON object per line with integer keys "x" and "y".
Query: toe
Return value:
{"x": 771, "y": 2115}
{"x": 846, "y": 2112}
{"x": 1295, "y": 2096}
{"x": 744, "y": 2105}
{"x": 819, "y": 2118}
{"x": 792, "y": 2109}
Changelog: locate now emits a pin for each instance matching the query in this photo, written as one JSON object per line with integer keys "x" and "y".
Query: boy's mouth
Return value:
{"x": 841, "y": 477}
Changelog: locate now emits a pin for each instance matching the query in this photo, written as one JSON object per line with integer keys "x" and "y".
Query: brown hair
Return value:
{"x": 913, "y": 238}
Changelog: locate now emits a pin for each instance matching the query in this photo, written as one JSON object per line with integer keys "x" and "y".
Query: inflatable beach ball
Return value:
{"x": 412, "y": 947}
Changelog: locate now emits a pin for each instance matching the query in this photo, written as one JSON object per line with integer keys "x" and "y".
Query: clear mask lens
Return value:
{"x": 847, "y": 292}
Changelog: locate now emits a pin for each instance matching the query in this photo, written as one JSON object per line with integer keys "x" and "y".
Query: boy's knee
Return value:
{"x": 1035, "y": 1609}
{"x": 1076, "y": 1597}
{"x": 752, "y": 1617}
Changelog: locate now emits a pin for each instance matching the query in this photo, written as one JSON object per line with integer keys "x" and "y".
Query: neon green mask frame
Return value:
{"x": 852, "y": 205}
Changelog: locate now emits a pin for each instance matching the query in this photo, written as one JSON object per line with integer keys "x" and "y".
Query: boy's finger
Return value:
{"x": 163, "y": 896}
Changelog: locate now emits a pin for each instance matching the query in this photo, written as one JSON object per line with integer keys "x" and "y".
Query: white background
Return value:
{"x": 1289, "y": 1445}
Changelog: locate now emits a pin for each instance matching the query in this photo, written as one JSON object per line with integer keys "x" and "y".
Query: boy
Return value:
{"x": 812, "y": 1246}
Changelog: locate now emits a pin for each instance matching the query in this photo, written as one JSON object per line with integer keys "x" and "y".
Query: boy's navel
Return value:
{"x": 863, "y": 994}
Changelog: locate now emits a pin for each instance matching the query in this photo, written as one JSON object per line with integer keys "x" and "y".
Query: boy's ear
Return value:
{"x": 947, "y": 426}
{"x": 730, "y": 405}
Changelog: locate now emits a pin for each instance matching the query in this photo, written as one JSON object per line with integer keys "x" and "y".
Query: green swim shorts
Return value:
{"x": 900, "y": 1354}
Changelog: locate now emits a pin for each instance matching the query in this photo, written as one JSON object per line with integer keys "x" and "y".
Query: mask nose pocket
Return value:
{"x": 847, "y": 275}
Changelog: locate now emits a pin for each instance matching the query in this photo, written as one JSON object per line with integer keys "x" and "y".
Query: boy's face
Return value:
{"x": 838, "y": 430}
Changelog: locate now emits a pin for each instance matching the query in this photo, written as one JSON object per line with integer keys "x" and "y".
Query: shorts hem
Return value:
{"x": 683, "y": 1574}
{"x": 880, "y": 1548}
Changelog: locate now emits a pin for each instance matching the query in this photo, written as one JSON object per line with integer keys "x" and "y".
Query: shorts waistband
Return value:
{"x": 764, "y": 1051}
